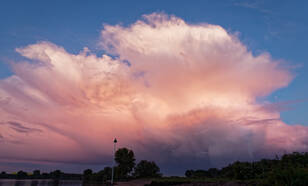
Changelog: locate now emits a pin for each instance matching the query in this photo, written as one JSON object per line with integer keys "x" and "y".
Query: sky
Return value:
{"x": 203, "y": 83}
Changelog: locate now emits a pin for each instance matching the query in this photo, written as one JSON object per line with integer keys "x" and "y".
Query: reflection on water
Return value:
{"x": 40, "y": 183}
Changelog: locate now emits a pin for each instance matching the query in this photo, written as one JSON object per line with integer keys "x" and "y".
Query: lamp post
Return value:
{"x": 114, "y": 149}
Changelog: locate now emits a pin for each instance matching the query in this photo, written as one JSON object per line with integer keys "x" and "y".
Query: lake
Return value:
{"x": 11, "y": 182}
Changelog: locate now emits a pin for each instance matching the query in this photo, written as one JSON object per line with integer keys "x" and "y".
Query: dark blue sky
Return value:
{"x": 278, "y": 27}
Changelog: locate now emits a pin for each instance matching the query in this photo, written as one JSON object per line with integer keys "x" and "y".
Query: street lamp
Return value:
{"x": 114, "y": 149}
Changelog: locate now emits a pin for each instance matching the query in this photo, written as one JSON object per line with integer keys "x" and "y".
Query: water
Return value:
{"x": 10, "y": 182}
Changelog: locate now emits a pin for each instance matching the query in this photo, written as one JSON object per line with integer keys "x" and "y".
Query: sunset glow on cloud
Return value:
{"x": 165, "y": 88}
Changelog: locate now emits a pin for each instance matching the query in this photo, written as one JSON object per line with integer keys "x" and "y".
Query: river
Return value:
{"x": 11, "y": 182}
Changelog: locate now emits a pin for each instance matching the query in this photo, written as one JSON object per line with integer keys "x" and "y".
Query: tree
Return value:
{"x": 36, "y": 174}
{"x": 56, "y": 174}
{"x": 107, "y": 173}
{"x": 291, "y": 176}
{"x": 189, "y": 173}
{"x": 87, "y": 174}
{"x": 3, "y": 175}
{"x": 147, "y": 169}
{"x": 125, "y": 159}
{"x": 21, "y": 175}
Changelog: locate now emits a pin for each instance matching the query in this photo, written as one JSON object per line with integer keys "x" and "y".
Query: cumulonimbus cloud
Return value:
{"x": 182, "y": 94}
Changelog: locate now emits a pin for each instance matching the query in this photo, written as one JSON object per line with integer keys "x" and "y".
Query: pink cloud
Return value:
{"x": 190, "y": 92}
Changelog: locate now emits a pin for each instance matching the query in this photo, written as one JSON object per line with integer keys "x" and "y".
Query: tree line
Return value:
{"x": 290, "y": 169}
{"x": 36, "y": 174}
{"x": 125, "y": 169}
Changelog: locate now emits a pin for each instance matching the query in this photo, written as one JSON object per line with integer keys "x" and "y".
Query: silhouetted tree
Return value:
{"x": 56, "y": 174}
{"x": 87, "y": 174}
{"x": 291, "y": 176}
{"x": 213, "y": 172}
{"x": 3, "y": 175}
{"x": 189, "y": 173}
{"x": 125, "y": 159}
{"x": 36, "y": 174}
{"x": 107, "y": 173}
{"x": 146, "y": 169}
{"x": 21, "y": 175}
